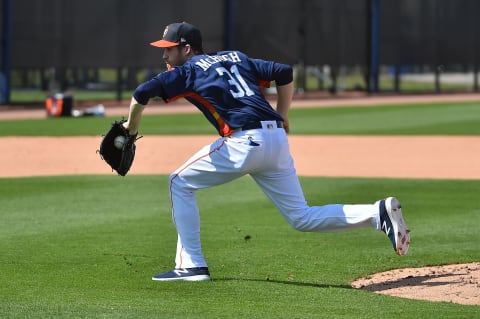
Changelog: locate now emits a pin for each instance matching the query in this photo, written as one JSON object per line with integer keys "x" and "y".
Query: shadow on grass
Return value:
{"x": 285, "y": 282}
{"x": 413, "y": 281}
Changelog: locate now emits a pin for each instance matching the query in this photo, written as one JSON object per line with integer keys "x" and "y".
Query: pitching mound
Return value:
{"x": 450, "y": 283}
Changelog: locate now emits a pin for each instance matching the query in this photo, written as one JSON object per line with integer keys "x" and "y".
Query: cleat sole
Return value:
{"x": 402, "y": 240}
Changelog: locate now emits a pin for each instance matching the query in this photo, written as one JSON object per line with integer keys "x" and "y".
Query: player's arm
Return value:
{"x": 283, "y": 76}
{"x": 143, "y": 93}
{"x": 134, "y": 116}
{"x": 284, "y": 100}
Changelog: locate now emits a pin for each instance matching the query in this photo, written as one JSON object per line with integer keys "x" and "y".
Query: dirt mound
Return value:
{"x": 450, "y": 283}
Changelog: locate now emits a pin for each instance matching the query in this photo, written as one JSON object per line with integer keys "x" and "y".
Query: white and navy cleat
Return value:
{"x": 184, "y": 274}
{"x": 393, "y": 225}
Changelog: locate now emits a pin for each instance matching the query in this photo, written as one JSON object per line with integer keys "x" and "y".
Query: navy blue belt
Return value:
{"x": 255, "y": 125}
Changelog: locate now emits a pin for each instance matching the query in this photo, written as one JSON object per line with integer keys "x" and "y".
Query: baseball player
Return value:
{"x": 227, "y": 88}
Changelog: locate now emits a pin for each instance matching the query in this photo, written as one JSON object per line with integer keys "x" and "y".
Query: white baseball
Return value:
{"x": 119, "y": 141}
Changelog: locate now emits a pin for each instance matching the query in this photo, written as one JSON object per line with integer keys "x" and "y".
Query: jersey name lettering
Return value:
{"x": 213, "y": 59}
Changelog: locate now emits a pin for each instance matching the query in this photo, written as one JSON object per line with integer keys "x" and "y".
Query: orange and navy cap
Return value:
{"x": 180, "y": 34}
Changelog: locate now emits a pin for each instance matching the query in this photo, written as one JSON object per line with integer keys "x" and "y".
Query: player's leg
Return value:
{"x": 209, "y": 167}
{"x": 281, "y": 185}
{"x": 385, "y": 215}
{"x": 285, "y": 192}
{"x": 277, "y": 178}
{"x": 223, "y": 161}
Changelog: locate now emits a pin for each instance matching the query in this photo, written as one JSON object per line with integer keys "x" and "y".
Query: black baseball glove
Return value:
{"x": 119, "y": 157}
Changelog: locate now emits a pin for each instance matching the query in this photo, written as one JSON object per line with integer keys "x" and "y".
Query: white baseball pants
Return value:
{"x": 265, "y": 155}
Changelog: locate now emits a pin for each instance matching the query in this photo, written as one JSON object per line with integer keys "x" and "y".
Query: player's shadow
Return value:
{"x": 409, "y": 281}
{"x": 286, "y": 282}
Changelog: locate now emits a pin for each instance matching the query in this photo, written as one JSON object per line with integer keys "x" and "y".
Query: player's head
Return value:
{"x": 181, "y": 34}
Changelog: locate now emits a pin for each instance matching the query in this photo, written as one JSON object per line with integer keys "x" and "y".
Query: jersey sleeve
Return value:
{"x": 167, "y": 85}
{"x": 273, "y": 71}
{"x": 282, "y": 73}
{"x": 147, "y": 90}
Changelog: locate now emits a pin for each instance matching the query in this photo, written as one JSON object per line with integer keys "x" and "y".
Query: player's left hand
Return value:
{"x": 121, "y": 158}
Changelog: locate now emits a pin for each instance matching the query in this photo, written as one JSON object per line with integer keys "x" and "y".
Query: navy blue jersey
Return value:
{"x": 225, "y": 86}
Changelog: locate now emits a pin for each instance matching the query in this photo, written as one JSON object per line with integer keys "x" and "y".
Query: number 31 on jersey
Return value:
{"x": 235, "y": 79}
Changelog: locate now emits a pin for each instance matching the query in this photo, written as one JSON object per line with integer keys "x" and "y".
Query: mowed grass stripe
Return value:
{"x": 414, "y": 119}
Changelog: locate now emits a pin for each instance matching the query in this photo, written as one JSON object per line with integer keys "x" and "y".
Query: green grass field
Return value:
{"x": 86, "y": 246}
{"x": 415, "y": 119}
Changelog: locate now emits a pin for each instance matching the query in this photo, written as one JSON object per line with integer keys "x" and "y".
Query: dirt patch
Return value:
{"x": 450, "y": 283}
{"x": 348, "y": 156}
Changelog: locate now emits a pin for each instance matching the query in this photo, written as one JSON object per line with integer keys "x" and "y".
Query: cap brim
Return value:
{"x": 164, "y": 44}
